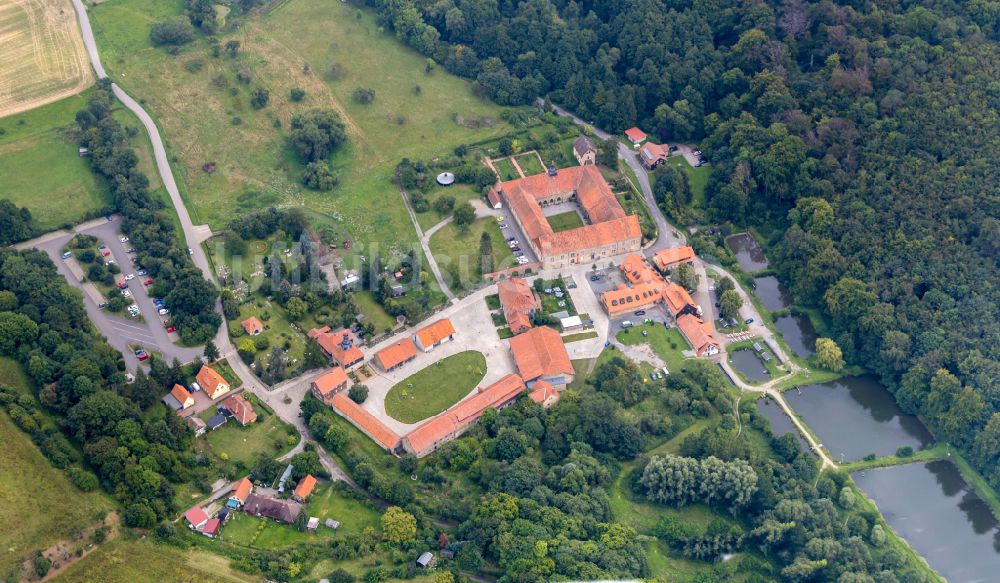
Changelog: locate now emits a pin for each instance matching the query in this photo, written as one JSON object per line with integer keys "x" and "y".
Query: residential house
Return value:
{"x": 178, "y": 398}
{"x": 365, "y": 421}
{"x": 667, "y": 259}
{"x": 679, "y": 301}
{"x": 217, "y": 421}
{"x": 304, "y": 488}
{"x": 647, "y": 288}
{"x": 339, "y": 345}
{"x": 212, "y": 382}
{"x": 329, "y": 384}
{"x": 196, "y": 518}
{"x": 433, "y": 335}
{"x": 280, "y": 510}
{"x": 653, "y": 154}
{"x": 211, "y": 528}
{"x": 519, "y": 302}
{"x": 635, "y": 135}
{"x": 541, "y": 355}
{"x": 252, "y": 326}
{"x": 396, "y": 354}
{"x": 608, "y": 231}
{"x": 544, "y": 394}
{"x": 196, "y": 425}
{"x": 241, "y": 491}
{"x": 584, "y": 151}
{"x": 240, "y": 410}
{"x": 453, "y": 422}
{"x": 494, "y": 197}
{"x": 699, "y": 335}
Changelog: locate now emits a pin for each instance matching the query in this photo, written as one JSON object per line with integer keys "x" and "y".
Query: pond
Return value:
{"x": 780, "y": 423}
{"x": 747, "y": 363}
{"x": 940, "y": 516}
{"x": 857, "y": 416}
{"x": 748, "y": 253}
{"x": 772, "y": 294}
{"x": 799, "y": 333}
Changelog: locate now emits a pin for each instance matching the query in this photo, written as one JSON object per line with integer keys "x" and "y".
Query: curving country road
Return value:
{"x": 194, "y": 235}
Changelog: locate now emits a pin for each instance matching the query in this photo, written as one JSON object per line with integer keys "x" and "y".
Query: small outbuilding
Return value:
{"x": 571, "y": 323}
{"x": 426, "y": 560}
{"x": 446, "y": 179}
{"x": 217, "y": 421}
{"x": 313, "y": 524}
{"x": 332, "y": 524}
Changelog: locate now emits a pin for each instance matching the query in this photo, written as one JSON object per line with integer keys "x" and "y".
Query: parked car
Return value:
{"x": 148, "y": 282}
{"x": 126, "y": 293}
{"x": 171, "y": 329}
{"x": 595, "y": 278}
{"x": 130, "y": 250}
{"x": 190, "y": 251}
{"x": 123, "y": 239}
{"x": 163, "y": 311}
{"x": 697, "y": 152}
{"x": 748, "y": 321}
{"x": 503, "y": 225}
{"x": 640, "y": 312}
{"x": 122, "y": 284}
{"x": 102, "y": 305}
{"x": 105, "y": 252}
{"x": 130, "y": 277}
{"x": 142, "y": 355}
{"x": 67, "y": 255}
{"x": 109, "y": 218}
{"x": 141, "y": 272}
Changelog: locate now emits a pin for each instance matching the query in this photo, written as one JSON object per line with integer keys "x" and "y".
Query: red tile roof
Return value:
{"x": 427, "y": 436}
{"x": 212, "y": 527}
{"x": 540, "y": 352}
{"x": 210, "y": 380}
{"x": 610, "y": 224}
{"x": 668, "y": 258}
{"x": 677, "y": 298}
{"x": 653, "y": 153}
{"x": 332, "y": 344}
{"x": 543, "y": 393}
{"x": 252, "y": 325}
{"x": 635, "y": 135}
{"x": 365, "y": 421}
{"x": 241, "y": 410}
{"x": 396, "y": 353}
{"x": 626, "y": 298}
{"x": 519, "y": 302}
{"x": 330, "y": 381}
{"x": 196, "y": 516}
{"x": 436, "y": 332}
{"x": 698, "y": 333}
{"x": 493, "y": 197}
{"x": 637, "y": 270}
{"x": 304, "y": 487}
{"x": 242, "y": 489}
{"x": 182, "y": 395}
{"x": 315, "y": 332}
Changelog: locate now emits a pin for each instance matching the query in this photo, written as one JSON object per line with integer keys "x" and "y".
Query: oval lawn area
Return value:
{"x": 435, "y": 388}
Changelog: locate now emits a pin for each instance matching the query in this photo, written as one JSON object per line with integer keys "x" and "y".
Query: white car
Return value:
{"x": 163, "y": 311}
{"x": 130, "y": 277}
{"x": 126, "y": 293}
{"x": 123, "y": 239}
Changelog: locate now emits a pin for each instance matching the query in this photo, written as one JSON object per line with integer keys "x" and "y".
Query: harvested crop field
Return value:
{"x": 43, "y": 57}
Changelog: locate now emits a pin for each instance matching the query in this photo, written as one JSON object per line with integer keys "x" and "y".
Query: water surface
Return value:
{"x": 748, "y": 253}
{"x": 747, "y": 363}
{"x": 772, "y": 294}
{"x": 780, "y": 423}
{"x": 940, "y": 516}
{"x": 857, "y": 416}
{"x": 798, "y": 332}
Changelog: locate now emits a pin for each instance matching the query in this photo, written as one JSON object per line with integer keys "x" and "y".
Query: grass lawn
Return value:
{"x": 329, "y": 502}
{"x": 373, "y": 311}
{"x": 458, "y": 253}
{"x": 550, "y": 303}
{"x": 578, "y": 337}
{"x": 529, "y": 164}
{"x": 41, "y": 168}
{"x": 204, "y": 110}
{"x": 667, "y": 343}
{"x": 136, "y": 561}
{"x": 565, "y": 221}
{"x": 423, "y": 394}
{"x": 243, "y": 444}
{"x": 460, "y": 192}
{"x": 506, "y": 169}
{"x": 54, "y": 508}
{"x": 697, "y": 178}
{"x": 277, "y": 329}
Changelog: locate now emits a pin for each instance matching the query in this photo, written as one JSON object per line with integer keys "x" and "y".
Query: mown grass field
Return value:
{"x": 43, "y": 59}
{"x": 667, "y": 343}
{"x": 460, "y": 192}
{"x": 565, "y": 221}
{"x": 136, "y": 561}
{"x": 457, "y": 253}
{"x": 38, "y": 503}
{"x": 422, "y": 394}
{"x": 268, "y": 435}
{"x": 374, "y": 313}
{"x": 506, "y": 169}
{"x": 197, "y": 115}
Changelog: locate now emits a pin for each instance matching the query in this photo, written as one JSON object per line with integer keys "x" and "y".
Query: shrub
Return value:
{"x": 297, "y": 94}
{"x": 318, "y": 176}
{"x": 259, "y": 98}
{"x": 172, "y": 32}
{"x": 358, "y": 393}
{"x": 364, "y": 95}
{"x": 905, "y": 451}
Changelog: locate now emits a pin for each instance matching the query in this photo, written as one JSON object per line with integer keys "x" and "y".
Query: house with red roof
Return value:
{"x": 544, "y": 394}
{"x": 211, "y": 528}
{"x": 540, "y": 354}
{"x": 304, "y": 488}
{"x": 519, "y": 303}
{"x": 699, "y": 335}
{"x": 667, "y": 259}
{"x": 241, "y": 491}
{"x": 635, "y": 135}
{"x": 212, "y": 382}
{"x": 329, "y": 384}
{"x": 339, "y": 345}
{"x": 396, "y": 354}
{"x": 252, "y": 326}
{"x": 196, "y": 518}
{"x": 433, "y": 335}
{"x": 240, "y": 410}
{"x": 653, "y": 154}
{"x": 179, "y": 398}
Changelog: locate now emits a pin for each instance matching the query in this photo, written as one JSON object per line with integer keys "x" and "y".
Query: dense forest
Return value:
{"x": 860, "y": 137}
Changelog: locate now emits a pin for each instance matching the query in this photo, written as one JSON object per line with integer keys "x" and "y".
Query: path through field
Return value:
{"x": 43, "y": 57}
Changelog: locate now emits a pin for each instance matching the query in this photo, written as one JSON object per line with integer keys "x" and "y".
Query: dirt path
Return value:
{"x": 64, "y": 554}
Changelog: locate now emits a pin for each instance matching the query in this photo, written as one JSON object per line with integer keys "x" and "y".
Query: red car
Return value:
{"x": 171, "y": 330}
{"x": 122, "y": 284}
{"x": 143, "y": 356}
{"x": 148, "y": 282}
{"x": 105, "y": 253}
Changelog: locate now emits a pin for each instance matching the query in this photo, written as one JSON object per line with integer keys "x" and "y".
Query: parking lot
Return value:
{"x": 119, "y": 331}
{"x": 513, "y": 230}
